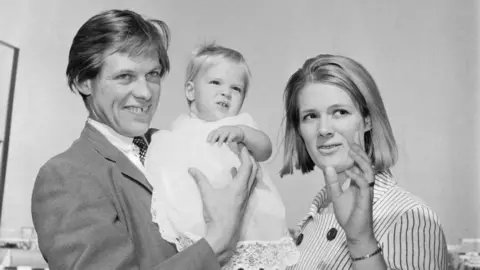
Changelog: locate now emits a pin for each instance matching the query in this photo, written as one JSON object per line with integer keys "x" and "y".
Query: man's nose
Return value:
{"x": 143, "y": 90}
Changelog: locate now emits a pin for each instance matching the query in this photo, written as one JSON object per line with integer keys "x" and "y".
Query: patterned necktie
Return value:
{"x": 142, "y": 145}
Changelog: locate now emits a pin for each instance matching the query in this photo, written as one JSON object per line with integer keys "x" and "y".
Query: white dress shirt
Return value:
{"x": 123, "y": 143}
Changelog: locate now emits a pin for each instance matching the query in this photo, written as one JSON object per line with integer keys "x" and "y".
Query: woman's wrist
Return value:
{"x": 360, "y": 248}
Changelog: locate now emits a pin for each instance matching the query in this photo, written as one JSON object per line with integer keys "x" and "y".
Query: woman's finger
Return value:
{"x": 359, "y": 151}
{"x": 363, "y": 164}
{"x": 332, "y": 182}
{"x": 364, "y": 200}
{"x": 359, "y": 180}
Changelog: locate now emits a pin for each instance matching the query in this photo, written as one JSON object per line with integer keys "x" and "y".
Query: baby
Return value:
{"x": 217, "y": 82}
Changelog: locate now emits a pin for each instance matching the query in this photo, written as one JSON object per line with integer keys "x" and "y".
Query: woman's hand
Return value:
{"x": 353, "y": 207}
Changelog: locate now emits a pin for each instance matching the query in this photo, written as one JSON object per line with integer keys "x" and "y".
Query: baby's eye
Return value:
{"x": 238, "y": 89}
{"x": 215, "y": 82}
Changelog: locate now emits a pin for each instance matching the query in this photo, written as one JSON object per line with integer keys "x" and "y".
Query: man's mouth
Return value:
{"x": 137, "y": 109}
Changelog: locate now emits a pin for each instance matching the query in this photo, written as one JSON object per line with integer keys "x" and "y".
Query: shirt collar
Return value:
{"x": 123, "y": 143}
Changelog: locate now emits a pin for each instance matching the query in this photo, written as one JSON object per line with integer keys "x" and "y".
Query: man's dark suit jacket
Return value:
{"x": 91, "y": 210}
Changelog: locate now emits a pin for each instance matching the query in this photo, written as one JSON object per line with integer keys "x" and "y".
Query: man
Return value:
{"x": 91, "y": 203}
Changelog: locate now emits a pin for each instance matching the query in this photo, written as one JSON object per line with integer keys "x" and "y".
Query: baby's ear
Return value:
{"x": 190, "y": 91}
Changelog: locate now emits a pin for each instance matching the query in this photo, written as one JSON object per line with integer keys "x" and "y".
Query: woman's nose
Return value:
{"x": 324, "y": 128}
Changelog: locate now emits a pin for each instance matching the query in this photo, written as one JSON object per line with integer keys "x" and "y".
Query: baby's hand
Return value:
{"x": 226, "y": 134}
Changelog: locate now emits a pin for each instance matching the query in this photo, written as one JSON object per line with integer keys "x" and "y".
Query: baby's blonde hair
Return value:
{"x": 204, "y": 57}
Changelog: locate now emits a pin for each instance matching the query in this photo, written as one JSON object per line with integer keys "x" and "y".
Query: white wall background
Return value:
{"x": 423, "y": 55}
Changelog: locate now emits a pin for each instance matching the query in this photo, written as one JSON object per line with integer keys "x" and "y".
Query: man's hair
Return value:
{"x": 115, "y": 31}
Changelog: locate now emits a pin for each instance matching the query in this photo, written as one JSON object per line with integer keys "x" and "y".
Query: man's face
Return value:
{"x": 125, "y": 93}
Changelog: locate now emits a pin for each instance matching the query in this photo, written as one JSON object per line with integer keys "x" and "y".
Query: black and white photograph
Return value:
{"x": 240, "y": 135}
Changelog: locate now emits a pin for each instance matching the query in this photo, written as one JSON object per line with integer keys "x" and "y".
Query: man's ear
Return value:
{"x": 190, "y": 91}
{"x": 85, "y": 88}
{"x": 368, "y": 124}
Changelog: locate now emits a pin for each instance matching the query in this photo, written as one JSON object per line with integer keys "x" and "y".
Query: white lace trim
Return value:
{"x": 255, "y": 255}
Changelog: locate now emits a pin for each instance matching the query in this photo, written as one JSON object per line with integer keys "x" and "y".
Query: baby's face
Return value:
{"x": 218, "y": 91}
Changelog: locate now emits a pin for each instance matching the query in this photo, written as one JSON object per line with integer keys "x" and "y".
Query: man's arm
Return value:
{"x": 257, "y": 142}
{"x": 78, "y": 226}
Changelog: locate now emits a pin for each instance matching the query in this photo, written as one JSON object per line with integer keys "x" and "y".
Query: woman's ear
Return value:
{"x": 190, "y": 91}
{"x": 85, "y": 88}
{"x": 368, "y": 123}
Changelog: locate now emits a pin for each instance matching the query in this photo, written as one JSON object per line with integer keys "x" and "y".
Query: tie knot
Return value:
{"x": 142, "y": 145}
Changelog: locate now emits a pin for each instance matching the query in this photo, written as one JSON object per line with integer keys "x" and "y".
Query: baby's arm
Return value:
{"x": 256, "y": 141}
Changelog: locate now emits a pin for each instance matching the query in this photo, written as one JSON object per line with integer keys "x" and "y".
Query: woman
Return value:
{"x": 336, "y": 120}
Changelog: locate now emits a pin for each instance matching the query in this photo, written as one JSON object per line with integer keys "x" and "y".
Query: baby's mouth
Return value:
{"x": 224, "y": 105}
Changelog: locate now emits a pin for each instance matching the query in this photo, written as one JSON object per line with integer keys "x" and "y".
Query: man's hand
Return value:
{"x": 224, "y": 208}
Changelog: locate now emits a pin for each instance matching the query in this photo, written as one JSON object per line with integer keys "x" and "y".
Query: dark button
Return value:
{"x": 299, "y": 239}
{"x": 332, "y": 233}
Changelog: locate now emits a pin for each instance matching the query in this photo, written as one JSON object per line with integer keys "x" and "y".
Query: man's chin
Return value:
{"x": 138, "y": 129}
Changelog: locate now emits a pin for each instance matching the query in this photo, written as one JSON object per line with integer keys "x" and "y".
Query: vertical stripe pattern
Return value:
{"x": 408, "y": 231}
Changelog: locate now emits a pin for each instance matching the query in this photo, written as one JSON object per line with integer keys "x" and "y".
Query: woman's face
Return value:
{"x": 329, "y": 122}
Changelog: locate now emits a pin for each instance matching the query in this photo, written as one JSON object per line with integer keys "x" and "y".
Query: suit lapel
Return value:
{"x": 110, "y": 152}
{"x": 131, "y": 171}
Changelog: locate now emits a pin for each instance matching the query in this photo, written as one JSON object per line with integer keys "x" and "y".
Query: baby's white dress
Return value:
{"x": 176, "y": 202}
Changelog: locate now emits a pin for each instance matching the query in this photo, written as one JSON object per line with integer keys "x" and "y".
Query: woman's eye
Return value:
{"x": 309, "y": 116}
{"x": 341, "y": 113}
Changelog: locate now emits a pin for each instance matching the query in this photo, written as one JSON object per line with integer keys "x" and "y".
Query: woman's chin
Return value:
{"x": 340, "y": 167}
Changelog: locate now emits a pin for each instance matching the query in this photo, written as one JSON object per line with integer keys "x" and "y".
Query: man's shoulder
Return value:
{"x": 76, "y": 153}
{"x": 80, "y": 160}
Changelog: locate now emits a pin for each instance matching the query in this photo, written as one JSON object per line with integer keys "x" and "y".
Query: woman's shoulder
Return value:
{"x": 388, "y": 191}
{"x": 392, "y": 202}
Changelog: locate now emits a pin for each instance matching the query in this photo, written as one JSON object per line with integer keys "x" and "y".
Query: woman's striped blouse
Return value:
{"x": 408, "y": 231}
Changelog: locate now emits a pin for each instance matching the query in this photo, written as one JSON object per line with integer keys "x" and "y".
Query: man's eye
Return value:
{"x": 124, "y": 77}
{"x": 155, "y": 73}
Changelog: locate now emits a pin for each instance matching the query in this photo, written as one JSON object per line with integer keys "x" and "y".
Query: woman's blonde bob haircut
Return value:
{"x": 352, "y": 77}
